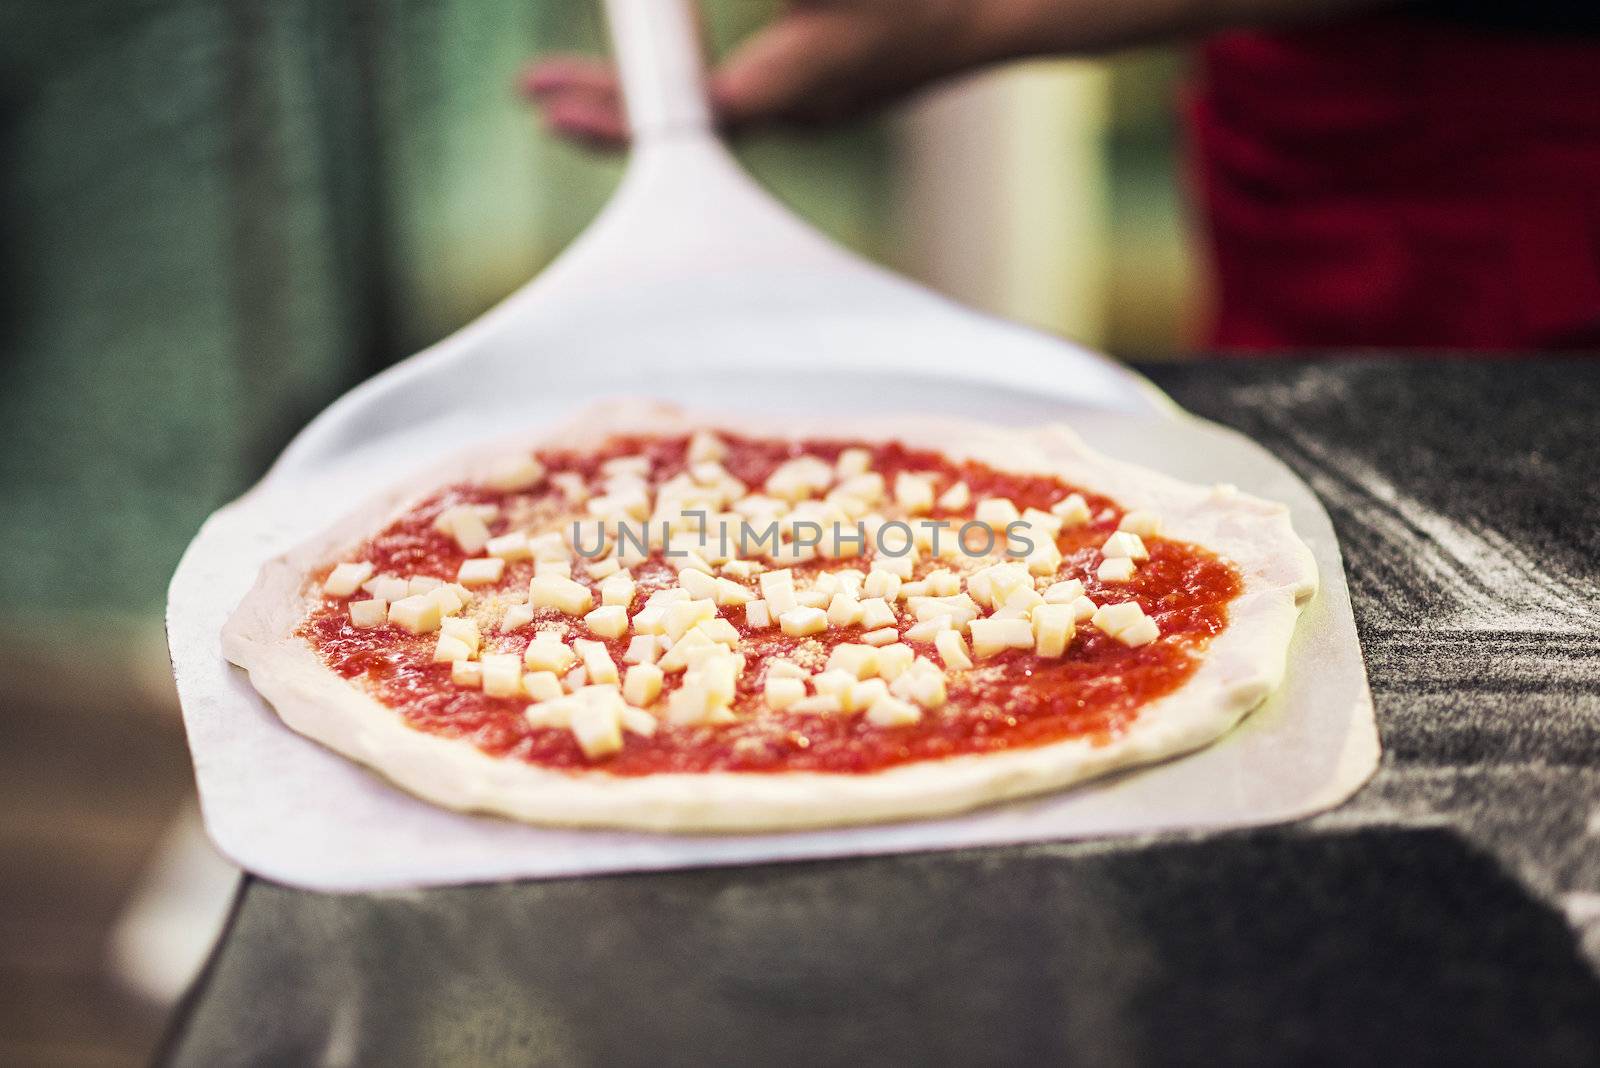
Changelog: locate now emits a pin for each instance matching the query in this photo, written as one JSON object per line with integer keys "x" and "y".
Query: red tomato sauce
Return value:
{"x": 1013, "y": 700}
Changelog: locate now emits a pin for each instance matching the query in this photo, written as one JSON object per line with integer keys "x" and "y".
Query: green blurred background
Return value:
{"x": 217, "y": 215}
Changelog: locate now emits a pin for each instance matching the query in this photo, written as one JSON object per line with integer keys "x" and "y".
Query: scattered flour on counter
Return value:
{"x": 1483, "y": 580}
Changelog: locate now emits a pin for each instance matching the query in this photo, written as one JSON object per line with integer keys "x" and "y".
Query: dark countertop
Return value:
{"x": 1440, "y": 916}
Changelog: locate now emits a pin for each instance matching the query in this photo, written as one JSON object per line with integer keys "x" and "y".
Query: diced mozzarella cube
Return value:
{"x": 638, "y": 721}
{"x": 1124, "y": 544}
{"x": 1045, "y": 521}
{"x": 706, "y": 447}
{"x": 996, "y": 513}
{"x": 598, "y": 729}
{"x": 617, "y": 589}
{"x": 1142, "y": 632}
{"x": 604, "y": 567}
{"x": 562, "y": 594}
{"x": 866, "y": 487}
{"x": 1063, "y": 592}
{"x": 1140, "y": 522}
{"x": 683, "y": 615}
{"x": 346, "y": 578}
{"x": 518, "y": 615}
{"x": 643, "y": 684}
{"x": 786, "y": 669}
{"x": 552, "y": 711}
{"x": 899, "y": 566}
{"x": 943, "y": 582}
{"x": 834, "y": 682}
{"x": 1052, "y": 629}
{"x": 1115, "y": 618}
{"x": 757, "y": 616}
{"x": 821, "y": 704}
{"x": 463, "y": 630}
{"x": 1019, "y": 604}
{"x": 861, "y": 661}
{"x": 466, "y": 673}
{"x": 370, "y": 613}
{"x": 502, "y": 675}
{"x": 512, "y": 546}
{"x": 542, "y": 685}
{"x": 387, "y": 588}
{"x": 720, "y": 631}
{"x": 1045, "y": 559}
{"x": 780, "y": 692}
{"x": 882, "y": 584}
{"x": 693, "y": 643}
{"x": 797, "y": 479}
{"x": 961, "y": 609}
{"x": 1073, "y": 510}
{"x": 922, "y": 683}
{"x": 928, "y": 630}
{"x": 447, "y": 649}
{"x": 730, "y": 592}
{"x": 701, "y": 585}
{"x": 953, "y": 649}
{"x": 597, "y": 661}
{"x": 844, "y": 610}
{"x": 956, "y": 498}
{"x": 876, "y": 612}
{"x": 548, "y": 546}
{"x": 548, "y": 653}
{"x": 894, "y": 659}
{"x": 741, "y": 569}
{"x": 418, "y": 615}
{"x": 852, "y": 462}
{"x": 465, "y": 524}
{"x": 450, "y": 597}
{"x": 515, "y": 473}
{"x": 777, "y": 589}
{"x": 913, "y": 493}
{"x": 1083, "y": 609}
{"x": 888, "y": 711}
{"x": 881, "y": 636}
{"x": 1116, "y": 569}
{"x": 992, "y": 636}
{"x": 608, "y": 621}
{"x": 692, "y": 704}
{"x": 801, "y": 621}
{"x": 481, "y": 572}
{"x": 641, "y": 650}
{"x": 860, "y": 695}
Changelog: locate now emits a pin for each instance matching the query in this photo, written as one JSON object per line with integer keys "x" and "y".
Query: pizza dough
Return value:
{"x": 1232, "y": 673}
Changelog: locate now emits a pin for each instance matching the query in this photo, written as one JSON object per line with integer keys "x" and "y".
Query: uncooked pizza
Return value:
{"x": 666, "y": 621}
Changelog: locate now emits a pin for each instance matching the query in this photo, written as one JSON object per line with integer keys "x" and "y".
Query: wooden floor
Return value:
{"x": 86, "y": 788}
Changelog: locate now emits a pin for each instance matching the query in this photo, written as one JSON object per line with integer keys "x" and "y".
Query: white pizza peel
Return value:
{"x": 695, "y": 286}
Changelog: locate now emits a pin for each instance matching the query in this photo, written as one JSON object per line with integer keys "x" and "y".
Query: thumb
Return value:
{"x": 800, "y": 67}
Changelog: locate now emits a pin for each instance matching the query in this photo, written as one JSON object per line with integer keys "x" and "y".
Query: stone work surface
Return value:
{"x": 1467, "y": 501}
{"x": 1441, "y": 916}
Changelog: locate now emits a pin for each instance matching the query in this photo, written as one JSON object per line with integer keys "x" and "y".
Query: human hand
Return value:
{"x": 820, "y": 61}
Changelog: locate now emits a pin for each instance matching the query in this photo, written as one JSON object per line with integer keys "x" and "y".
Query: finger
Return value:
{"x": 586, "y": 118}
{"x": 557, "y": 74}
{"x": 780, "y": 71}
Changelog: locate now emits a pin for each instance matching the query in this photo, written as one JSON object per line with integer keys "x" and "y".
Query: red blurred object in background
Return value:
{"x": 1401, "y": 182}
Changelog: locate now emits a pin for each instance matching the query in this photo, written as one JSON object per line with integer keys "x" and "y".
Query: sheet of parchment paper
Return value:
{"x": 283, "y": 807}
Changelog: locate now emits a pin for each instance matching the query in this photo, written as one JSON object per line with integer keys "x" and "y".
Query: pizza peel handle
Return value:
{"x": 657, "y": 46}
